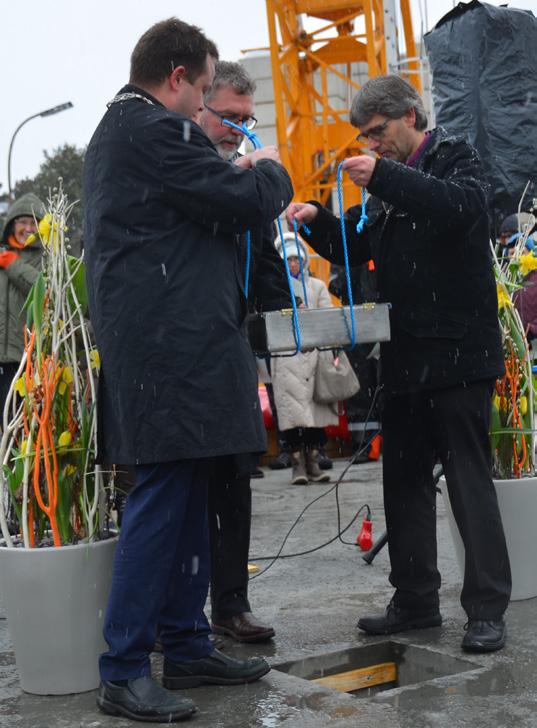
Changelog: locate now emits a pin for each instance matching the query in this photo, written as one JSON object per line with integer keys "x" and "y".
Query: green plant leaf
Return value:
{"x": 77, "y": 269}
{"x": 38, "y": 301}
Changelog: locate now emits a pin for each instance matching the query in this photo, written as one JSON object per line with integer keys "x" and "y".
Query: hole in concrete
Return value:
{"x": 363, "y": 671}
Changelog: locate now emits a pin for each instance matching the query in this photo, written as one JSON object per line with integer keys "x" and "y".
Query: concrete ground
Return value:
{"x": 313, "y": 602}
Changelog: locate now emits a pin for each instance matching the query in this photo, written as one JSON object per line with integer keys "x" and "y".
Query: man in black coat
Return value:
{"x": 427, "y": 232}
{"x": 165, "y": 218}
{"x": 231, "y": 98}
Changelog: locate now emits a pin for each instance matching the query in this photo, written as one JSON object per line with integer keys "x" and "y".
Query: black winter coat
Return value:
{"x": 163, "y": 224}
{"x": 428, "y": 234}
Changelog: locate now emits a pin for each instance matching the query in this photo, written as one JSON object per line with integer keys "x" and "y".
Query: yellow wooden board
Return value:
{"x": 363, "y": 677}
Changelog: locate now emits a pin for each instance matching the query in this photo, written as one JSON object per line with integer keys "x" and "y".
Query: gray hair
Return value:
{"x": 390, "y": 96}
{"x": 231, "y": 74}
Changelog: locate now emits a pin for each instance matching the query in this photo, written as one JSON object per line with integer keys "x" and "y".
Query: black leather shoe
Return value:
{"x": 282, "y": 461}
{"x": 484, "y": 635}
{"x": 324, "y": 462}
{"x": 399, "y": 620}
{"x": 243, "y": 627}
{"x": 145, "y": 700}
{"x": 215, "y": 669}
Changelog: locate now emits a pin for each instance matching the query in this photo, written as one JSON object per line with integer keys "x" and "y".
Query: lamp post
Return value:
{"x": 47, "y": 112}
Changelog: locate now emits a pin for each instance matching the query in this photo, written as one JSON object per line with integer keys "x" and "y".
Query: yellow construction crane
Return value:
{"x": 315, "y": 46}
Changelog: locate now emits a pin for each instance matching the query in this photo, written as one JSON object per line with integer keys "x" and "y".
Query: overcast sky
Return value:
{"x": 69, "y": 50}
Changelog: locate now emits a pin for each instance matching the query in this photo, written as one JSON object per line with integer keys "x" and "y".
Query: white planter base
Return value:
{"x": 55, "y": 600}
{"x": 517, "y": 500}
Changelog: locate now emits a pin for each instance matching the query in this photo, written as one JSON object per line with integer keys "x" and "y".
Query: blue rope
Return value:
{"x": 300, "y": 263}
{"x": 257, "y": 145}
{"x": 256, "y": 142}
{"x": 359, "y": 228}
{"x": 247, "y": 271}
{"x": 247, "y": 133}
{"x": 296, "y": 324}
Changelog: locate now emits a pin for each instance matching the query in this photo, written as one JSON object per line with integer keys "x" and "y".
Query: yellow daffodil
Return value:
{"x": 64, "y": 439}
{"x": 30, "y": 239}
{"x": 24, "y": 445}
{"x": 20, "y": 386}
{"x": 67, "y": 375}
{"x": 504, "y": 298}
{"x": 527, "y": 263}
{"x": 496, "y": 401}
{"x": 45, "y": 227}
{"x": 523, "y": 405}
{"x": 65, "y": 379}
{"x": 95, "y": 359}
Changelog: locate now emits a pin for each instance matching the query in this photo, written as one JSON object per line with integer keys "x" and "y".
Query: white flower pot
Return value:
{"x": 517, "y": 500}
{"x": 55, "y": 599}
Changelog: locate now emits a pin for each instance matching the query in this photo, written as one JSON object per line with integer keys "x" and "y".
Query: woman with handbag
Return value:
{"x": 301, "y": 418}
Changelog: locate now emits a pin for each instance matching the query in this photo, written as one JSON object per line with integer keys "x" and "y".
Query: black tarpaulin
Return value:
{"x": 484, "y": 64}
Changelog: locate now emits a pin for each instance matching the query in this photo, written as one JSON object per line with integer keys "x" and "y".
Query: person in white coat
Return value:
{"x": 301, "y": 419}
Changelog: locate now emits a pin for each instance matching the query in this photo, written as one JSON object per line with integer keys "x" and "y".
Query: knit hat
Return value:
{"x": 28, "y": 205}
{"x": 291, "y": 249}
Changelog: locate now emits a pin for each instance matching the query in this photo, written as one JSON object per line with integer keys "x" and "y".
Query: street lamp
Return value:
{"x": 47, "y": 112}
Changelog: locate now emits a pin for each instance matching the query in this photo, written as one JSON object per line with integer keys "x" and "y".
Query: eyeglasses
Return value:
{"x": 375, "y": 133}
{"x": 248, "y": 121}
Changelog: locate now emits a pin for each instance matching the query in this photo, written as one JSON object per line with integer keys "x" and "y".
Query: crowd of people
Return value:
{"x": 170, "y": 203}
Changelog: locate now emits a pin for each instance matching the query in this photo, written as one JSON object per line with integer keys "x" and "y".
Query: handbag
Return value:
{"x": 335, "y": 379}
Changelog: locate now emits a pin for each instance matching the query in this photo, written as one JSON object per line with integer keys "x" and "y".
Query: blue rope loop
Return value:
{"x": 300, "y": 263}
{"x": 256, "y": 142}
{"x": 296, "y": 323}
{"x": 257, "y": 145}
{"x": 359, "y": 228}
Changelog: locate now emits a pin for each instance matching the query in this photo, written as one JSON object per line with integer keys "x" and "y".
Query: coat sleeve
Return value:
{"x": 22, "y": 275}
{"x": 326, "y": 240}
{"x": 270, "y": 285}
{"x": 323, "y": 297}
{"x": 210, "y": 191}
{"x": 457, "y": 199}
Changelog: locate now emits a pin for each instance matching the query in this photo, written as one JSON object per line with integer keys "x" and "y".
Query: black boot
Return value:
{"x": 396, "y": 619}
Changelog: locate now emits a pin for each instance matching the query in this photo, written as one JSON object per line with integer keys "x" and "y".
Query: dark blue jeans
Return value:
{"x": 161, "y": 571}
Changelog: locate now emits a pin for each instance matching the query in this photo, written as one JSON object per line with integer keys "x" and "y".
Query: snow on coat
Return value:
{"x": 165, "y": 219}
{"x": 428, "y": 234}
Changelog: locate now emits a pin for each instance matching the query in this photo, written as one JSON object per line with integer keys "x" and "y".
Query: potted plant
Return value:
{"x": 55, "y": 558}
{"x": 512, "y": 426}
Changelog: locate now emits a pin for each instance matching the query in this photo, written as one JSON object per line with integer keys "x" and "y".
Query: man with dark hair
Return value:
{"x": 178, "y": 386}
{"x": 428, "y": 234}
{"x": 231, "y": 98}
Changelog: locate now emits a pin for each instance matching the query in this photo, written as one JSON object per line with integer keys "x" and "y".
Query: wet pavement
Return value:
{"x": 314, "y": 601}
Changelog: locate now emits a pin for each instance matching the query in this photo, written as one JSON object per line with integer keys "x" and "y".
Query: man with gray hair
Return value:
{"x": 230, "y": 497}
{"x": 427, "y": 231}
{"x": 231, "y": 97}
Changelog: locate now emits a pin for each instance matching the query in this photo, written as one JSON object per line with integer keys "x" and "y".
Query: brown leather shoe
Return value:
{"x": 243, "y": 628}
